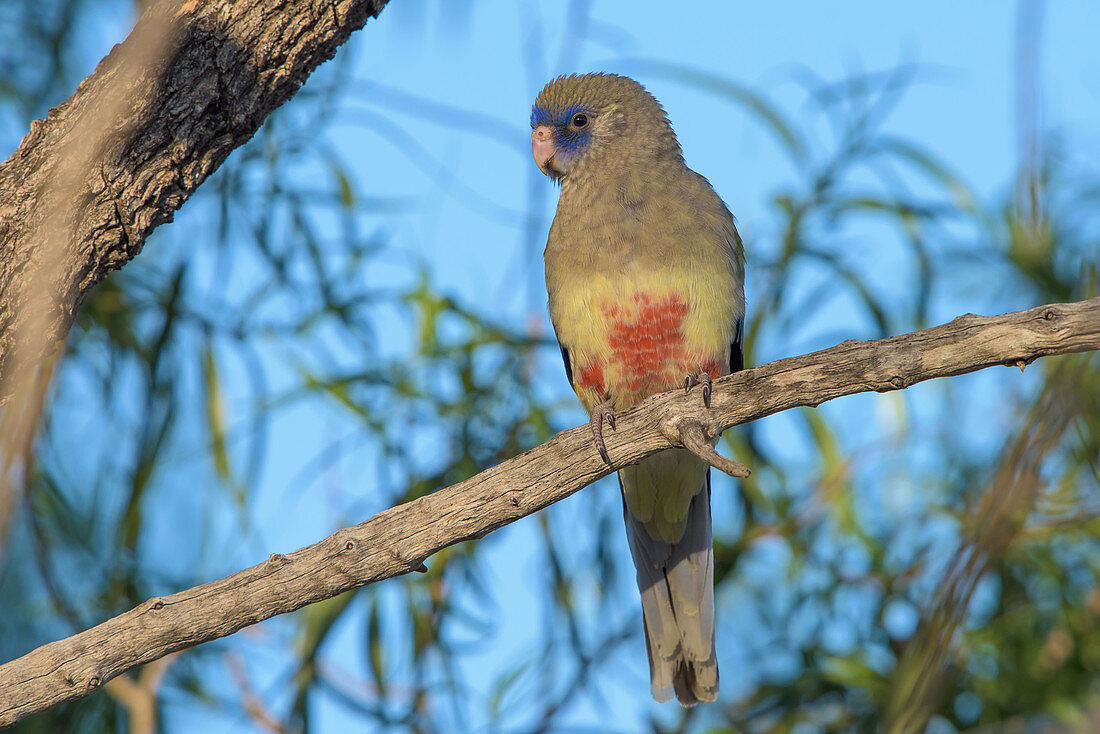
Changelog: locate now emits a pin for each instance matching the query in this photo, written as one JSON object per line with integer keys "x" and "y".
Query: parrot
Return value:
{"x": 645, "y": 278}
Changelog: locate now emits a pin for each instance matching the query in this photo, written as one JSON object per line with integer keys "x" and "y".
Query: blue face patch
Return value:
{"x": 568, "y": 140}
{"x": 540, "y": 116}
{"x": 556, "y": 118}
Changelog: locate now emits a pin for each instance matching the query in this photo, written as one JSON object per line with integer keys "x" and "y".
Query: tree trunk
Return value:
{"x": 194, "y": 80}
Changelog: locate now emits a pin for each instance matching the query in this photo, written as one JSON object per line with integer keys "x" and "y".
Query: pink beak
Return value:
{"x": 542, "y": 146}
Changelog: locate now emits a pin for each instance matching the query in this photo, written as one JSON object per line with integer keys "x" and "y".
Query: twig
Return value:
{"x": 253, "y": 704}
{"x": 140, "y": 696}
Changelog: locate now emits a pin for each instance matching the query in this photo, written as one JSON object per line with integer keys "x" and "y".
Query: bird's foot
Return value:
{"x": 699, "y": 378}
{"x": 601, "y": 411}
{"x": 690, "y": 434}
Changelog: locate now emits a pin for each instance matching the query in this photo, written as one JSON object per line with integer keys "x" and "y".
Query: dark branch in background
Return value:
{"x": 218, "y": 71}
{"x": 399, "y": 540}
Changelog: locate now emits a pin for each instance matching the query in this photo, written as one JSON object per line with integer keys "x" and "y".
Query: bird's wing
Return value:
{"x": 568, "y": 366}
{"x": 737, "y": 349}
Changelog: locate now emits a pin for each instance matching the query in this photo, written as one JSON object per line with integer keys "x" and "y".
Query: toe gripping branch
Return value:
{"x": 689, "y": 433}
{"x": 595, "y": 422}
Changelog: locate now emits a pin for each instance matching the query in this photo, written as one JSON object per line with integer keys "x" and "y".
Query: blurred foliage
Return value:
{"x": 930, "y": 577}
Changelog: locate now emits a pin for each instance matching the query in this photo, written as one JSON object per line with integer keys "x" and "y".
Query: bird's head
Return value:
{"x": 594, "y": 121}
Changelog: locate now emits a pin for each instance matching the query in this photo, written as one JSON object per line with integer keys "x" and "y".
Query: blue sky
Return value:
{"x": 468, "y": 187}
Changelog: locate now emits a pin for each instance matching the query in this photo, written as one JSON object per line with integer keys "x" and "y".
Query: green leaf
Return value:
{"x": 215, "y": 414}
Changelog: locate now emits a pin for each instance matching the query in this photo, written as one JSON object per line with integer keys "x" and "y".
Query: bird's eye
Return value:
{"x": 580, "y": 119}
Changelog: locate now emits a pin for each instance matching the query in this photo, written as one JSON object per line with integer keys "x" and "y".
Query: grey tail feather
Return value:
{"x": 676, "y": 581}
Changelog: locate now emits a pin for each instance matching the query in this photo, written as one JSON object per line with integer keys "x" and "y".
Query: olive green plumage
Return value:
{"x": 644, "y": 270}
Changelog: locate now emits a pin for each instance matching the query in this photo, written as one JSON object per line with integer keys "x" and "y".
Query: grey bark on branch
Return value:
{"x": 194, "y": 80}
{"x": 399, "y": 540}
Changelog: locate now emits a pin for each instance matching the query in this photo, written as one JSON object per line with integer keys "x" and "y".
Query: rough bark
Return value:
{"x": 399, "y": 540}
{"x": 194, "y": 80}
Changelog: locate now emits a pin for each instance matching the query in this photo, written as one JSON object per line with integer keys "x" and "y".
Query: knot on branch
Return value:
{"x": 689, "y": 433}
{"x": 1052, "y": 319}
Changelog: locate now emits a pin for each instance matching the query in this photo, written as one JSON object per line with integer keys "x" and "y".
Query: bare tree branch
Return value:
{"x": 193, "y": 81}
{"x": 39, "y": 325}
{"x": 87, "y": 185}
{"x": 398, "y": 540}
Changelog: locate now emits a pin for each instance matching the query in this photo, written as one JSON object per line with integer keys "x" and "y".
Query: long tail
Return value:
{"x": 677, "y": 585}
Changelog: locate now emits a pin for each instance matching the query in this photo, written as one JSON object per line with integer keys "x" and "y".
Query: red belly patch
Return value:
{"x": 591, "y": 376}
{"x": 646, "y": 352}
{"x": 646, "y": 340}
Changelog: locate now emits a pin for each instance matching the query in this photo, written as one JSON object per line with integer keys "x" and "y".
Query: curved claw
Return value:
{"x": 601, "y": 411}
{"x": 700, "y": 378}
